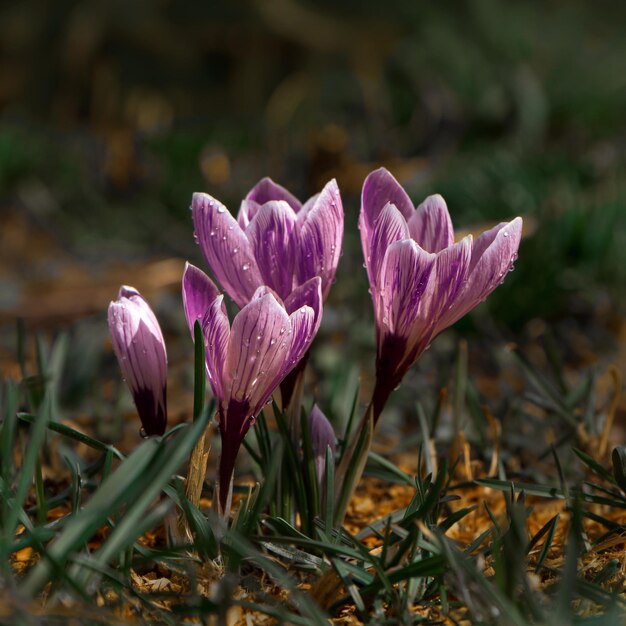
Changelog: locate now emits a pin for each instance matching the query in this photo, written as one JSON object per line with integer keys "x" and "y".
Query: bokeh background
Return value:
{"x": 113, "y": 113}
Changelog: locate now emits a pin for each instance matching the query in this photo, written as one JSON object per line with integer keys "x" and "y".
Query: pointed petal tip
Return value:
{"x": 126, "y": 291}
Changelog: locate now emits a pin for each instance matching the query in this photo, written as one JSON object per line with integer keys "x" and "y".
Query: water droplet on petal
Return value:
{"x": 212, "y": 233}
{"x": 505, "y": 234}
{"x": 235, "y": 250}
{"x": 245, "y": 267}
{"x": 303, "y": 309}
{"x": 221, "y": 209}
{"x": 142, "y": 433}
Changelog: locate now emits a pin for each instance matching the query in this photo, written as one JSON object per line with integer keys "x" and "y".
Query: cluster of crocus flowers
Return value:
{"x": 246, "y": 362}
{"x": 276, "y": 242}
{"x": 140, "y": 349}
{"x": 277, "y": 261}
{"x": 421, "y": 281}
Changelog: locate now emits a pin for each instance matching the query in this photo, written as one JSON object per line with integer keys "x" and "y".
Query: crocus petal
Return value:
{"x": 380, "y": 188}
{"x": 303, "y": 329}
{"x": 322, "y": 438}
{"x": 320, "y": 233}
{"x": 226, "y": 248}
{"x": 216, "y": 330}
{"x": 390, "y": 227}
{"x": 493, "y": 255}
{"x": 270, "y": 236}
{"x": 257, "y": 351}
{"x": 247, "y": 211}
{"x": 447, "y": 278}
{"x": 198, "y": 293}
{"x": 405, "y": 274}
{"x": 138, "y": 344}
{"x": 266, "y": 189}
{"x": 431, "y": 225}
{"x": 307, "y": 294}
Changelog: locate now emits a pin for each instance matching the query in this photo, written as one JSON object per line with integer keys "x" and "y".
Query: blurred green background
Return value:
{"x": 113, "y": 113}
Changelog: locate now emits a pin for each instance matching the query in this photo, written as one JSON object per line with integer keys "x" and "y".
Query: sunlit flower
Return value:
{"x": 420, "y": 279}
{"x": 275, "y": 241}
{"x": 140, "y": 349}
{"x": 246, "y": 362}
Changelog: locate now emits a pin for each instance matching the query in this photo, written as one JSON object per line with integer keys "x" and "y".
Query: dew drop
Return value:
{"x": 220, "y": 209}
{"x": 235, "y": 250}
{"x": 505, "y": 234}
{"x": 245, "y": 267}
{"x": 142, "y": 433}
{"x": 272, "y": 342}
{"x": 303, "y": 309}
{"x": 282, "y": 330}
{"x": 212, "y": 233}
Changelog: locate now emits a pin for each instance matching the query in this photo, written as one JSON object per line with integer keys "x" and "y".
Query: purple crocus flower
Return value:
{"x": 140, "y": 349}
{"x": 275, "y": 241}
{"x": 322, "y": 438}
{"x": 246, "y": 362}
{"x": 421, "y": 280}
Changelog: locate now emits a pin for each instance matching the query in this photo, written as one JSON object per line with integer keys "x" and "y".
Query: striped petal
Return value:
{"x": 380, "y": 188}
{"x": 247, "y": 210}
{"x": 271, "y": 237}
{"x": 320, "y": 234}
{"x": 257, "y": 350}
{"x": 226, "y": 248}
{"x": 405, "y": 274}
{"x": 198, "y": 293}
{"x": 266, "y": 190}
{"x": 390, "y": 227}
{"x": 431, "y": 225}
{"x": 493, "y": 255}
{"x": 216, "y": 330}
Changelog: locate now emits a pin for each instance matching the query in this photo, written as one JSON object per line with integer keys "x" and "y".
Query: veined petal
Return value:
{"x": 380, "y": 188}
{"x": 226, "y": 248}
{"x": 266, "y": 190}
{"x": 198, "y": 293}
{"x": 270, "y": 236}
{"x": 493, "y": 255}
{"x": 307, "y": 294}
{"x": 247, "y": 210}
{"x": 307, "y": 206}
{"x": 390, "y": 227}
{"x": 258, "y": 348}
{"x": 138, "y": 344}
{"x": 304, "y": 324}
{"x": 431, "y": 225}
{"x": 144, "y": 312}
{"x": 447, "y": 279}
{"x": 405, "y": 274}
{"x": 216, "y": 331}
{"x": 320, "y": 236}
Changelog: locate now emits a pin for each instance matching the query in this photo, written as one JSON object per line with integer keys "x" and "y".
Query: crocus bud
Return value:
{"x": 421, "y": 280}
{"x": 275, "y": 241}
{"x": 322, "y": 438}
{"x": 140, "y": 349}
{"x": 247, "y": 362}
